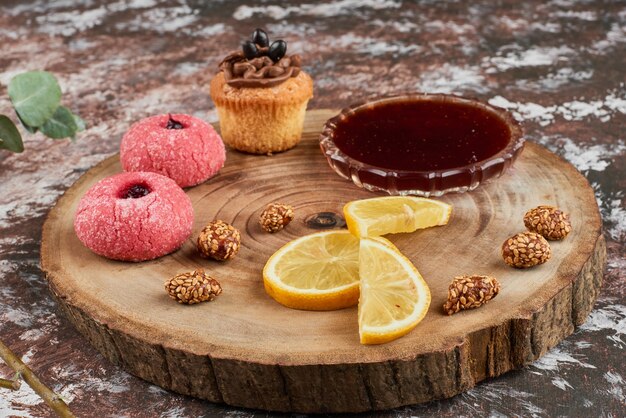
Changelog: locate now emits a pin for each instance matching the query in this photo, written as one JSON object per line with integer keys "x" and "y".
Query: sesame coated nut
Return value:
{"x": 548, "y": 221}
{"x": 470, "y": 292}
{"x": 276, "y": 216}
{"x": 526, "y": 249}
{"x": 193, "y": 287}
{"x": 219, "y": 240}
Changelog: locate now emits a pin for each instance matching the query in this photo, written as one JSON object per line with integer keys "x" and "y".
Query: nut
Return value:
{"x": 194, "y": 287}
{"x": 470, "y": 292}
{"x": 276, "y": 216}
{"x": 526, "y": 249}
{"x": 548, "y": 221}
{"x": 219, "y": 240}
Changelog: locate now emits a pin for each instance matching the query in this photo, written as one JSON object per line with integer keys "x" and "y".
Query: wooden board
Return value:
{"x": 245, "y": 349}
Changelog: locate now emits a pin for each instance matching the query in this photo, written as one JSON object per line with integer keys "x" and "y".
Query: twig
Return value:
{"x": 53, "y": 400}
{"x": 13, "y": 384}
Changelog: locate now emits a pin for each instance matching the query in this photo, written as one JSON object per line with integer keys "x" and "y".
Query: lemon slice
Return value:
{"x": 315, "y": 272}
{"x": 394, "y": 297}
{"x": 394, "y": 214}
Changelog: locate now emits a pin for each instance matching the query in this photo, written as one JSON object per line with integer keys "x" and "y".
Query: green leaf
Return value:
{"x": 10, "y": 137}
{"x": 80, "y": 124}
{"x": 36, "y": 95}
{"x": 30, "y": 129}
{"x": 61, "y": 125}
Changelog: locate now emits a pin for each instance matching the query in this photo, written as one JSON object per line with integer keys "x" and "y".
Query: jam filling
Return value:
{"x": 421, "y": 135}
{"x": 173, "y": 123}
{"x": 135, "y": 191}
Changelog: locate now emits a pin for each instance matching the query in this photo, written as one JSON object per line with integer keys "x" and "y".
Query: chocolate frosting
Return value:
{"x": 260, "y": 71}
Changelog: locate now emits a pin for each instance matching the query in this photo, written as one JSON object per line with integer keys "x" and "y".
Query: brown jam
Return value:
{"x": 421, "y": 135}
{"x": 135, "y": 191}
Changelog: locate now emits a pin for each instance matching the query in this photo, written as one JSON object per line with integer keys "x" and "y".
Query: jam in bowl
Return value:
{"x": 421, "y": 144}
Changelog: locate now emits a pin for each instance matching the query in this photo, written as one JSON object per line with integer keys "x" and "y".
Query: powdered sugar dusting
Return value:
{"x": 561, "y": 383}
{"x": 14, "y": 402}
{"x": 603, "y": 109}
{"x": 450, "y": 79}
{"x": 171, "y": 19}
{"x": 66, "y": 19}
{"x": 334, "y": 8}
{"x": 374, "y": 46}
{"x": 526, "y": 111}
{"x": 68, "y": 23}
{"x": 32, "y": 334}
{"x": 533, "y": 57}
{"x": 497, "y": 391}
{"x": 117, "y": 384}
{"x": 586, "y": 156}
{"x": 614, "y": 37}
{"x": 588, "y": 15}
{"x": 174, "y": 412}
{"x": 16, "y": 316}
{"x": 609, "y": 318}
{"x": 615, "y": 216}
{"x": 618, "y": 385}
{"x": 558, "y": 358}
{"x": 554, "y": 80}
{"x": 449, "y": 26}
{"x": 613, "y": 213}
{"x": 28, "y": 196}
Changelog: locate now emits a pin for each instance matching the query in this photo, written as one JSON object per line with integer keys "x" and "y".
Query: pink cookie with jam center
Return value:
{"x": 181, "y": 147}
{"x": 134, "y": 217}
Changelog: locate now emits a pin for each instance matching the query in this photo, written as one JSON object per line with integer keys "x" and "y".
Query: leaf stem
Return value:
{"x": 53, "y": 400}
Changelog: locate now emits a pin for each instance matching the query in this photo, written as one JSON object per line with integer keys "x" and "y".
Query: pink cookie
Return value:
{"x": 184, "y": 148}
{"x": 134, "y": 217}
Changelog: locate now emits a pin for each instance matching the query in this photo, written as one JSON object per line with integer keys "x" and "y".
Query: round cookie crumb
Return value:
{"x": 182, "y": 147}
{"x": 194, "y": 287}
{"x": 470, "y": 292}
{"x": 219, "y": 240}
{"x": 548, "y": 221}
{"x": 134, "y": 217}
{"x": 526, "y": 249}
{"x": 276, "y": 216}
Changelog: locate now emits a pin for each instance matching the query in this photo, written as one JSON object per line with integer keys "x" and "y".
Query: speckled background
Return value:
{"x": 558, "y": 65}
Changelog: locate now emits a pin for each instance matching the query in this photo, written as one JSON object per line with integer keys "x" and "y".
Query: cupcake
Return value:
{"x": 261, "y": 96}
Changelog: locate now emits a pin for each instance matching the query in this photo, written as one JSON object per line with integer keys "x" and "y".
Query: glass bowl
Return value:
{"x": 421, "y": 144}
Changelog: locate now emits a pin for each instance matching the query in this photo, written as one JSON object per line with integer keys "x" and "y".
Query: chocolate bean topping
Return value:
{"x": 259, "y": 63}
{"x": 259, "y": 37}
{"x": 277, "y": 50}
{"x": 250, "y": 50}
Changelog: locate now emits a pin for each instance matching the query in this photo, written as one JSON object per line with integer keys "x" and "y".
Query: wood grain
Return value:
{"x": 244, "y": 349}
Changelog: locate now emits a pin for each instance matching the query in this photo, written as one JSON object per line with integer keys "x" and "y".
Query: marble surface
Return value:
{"x": 558, "y": 65}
